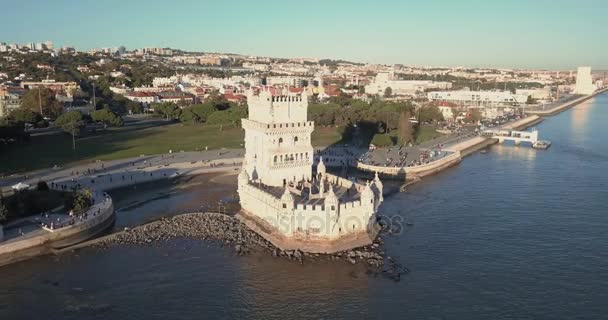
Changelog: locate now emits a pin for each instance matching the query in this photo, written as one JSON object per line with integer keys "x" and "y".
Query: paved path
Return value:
{"x": 106, "y": 169}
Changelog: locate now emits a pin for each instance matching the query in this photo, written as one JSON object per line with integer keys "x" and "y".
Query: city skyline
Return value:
{"x": 541, "y": 35}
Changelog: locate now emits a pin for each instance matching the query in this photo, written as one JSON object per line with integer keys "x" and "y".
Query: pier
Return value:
{"x": 512, "y": 135}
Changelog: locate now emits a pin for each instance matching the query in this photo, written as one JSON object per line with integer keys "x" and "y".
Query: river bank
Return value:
{"x": 565, "y": 106}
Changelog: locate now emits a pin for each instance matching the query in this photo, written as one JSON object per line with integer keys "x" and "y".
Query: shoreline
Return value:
{"x": 566, "y": 105}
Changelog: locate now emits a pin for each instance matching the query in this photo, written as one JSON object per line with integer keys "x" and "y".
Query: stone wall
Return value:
{"x": 320, "y": 220}
{"x": 308, "y": 243}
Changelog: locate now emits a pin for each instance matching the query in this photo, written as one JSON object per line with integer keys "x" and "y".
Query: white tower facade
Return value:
{"x": 278, "y": 145}
{"x": 584, "y": 82}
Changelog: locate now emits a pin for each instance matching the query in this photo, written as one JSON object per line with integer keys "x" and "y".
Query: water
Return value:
{"x": 512, "y": 234}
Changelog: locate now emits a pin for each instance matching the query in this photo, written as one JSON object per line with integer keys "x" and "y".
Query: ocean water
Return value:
{"x": 515, "y": 233}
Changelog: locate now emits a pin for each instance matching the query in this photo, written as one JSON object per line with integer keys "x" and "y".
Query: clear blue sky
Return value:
{"x": 552, "y": 34}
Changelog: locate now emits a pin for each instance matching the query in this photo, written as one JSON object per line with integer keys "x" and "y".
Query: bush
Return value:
{"x": 42, "y": 186}
{"x": 79, "y": 201}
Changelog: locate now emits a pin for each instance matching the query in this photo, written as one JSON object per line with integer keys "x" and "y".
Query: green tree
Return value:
{"x": 134, "y": 107}
{"x": 167, "y": 109}
{"x": 42, "y": 100}
{"x": 429, "y": 113}
{"x": 79, "y": 201}
{"x": 474, "y": 115}
{"x": 388, "y": 92}
{"x": 25, "y": 116}
{"x": 406, "y": 131}
{"x": 71, "y": 122}
{"x": 107, "y": 117}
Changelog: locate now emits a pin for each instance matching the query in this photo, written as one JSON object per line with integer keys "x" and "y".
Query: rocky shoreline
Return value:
{"x": 228, "y": 231}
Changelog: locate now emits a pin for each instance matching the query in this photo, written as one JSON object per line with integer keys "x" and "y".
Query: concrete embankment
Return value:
{"x": 416, "y": 171}
{"x": 565, "y": 106}
{"x": 472, "y": 145}
{"x": 44, "y": 241}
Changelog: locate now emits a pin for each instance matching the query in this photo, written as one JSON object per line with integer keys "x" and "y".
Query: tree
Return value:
{"x": 134, "y": 107}
{"x": 429, "y": 113}
{"x": 474, "y": 115}
{"x": 71, "y": 122}
{"x": 42, "y": 186}
{"x": 167, "y": 109}
{"x": 79, "y": 201}
{"x": 107, "y": 117}
{"x": 42, "y": 100}
{"x": 406, "y": 131}
{"x": 388, "y": 92}
{"x": 25, "y": 116}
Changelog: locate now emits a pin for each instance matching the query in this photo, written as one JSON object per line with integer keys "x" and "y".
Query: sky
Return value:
{"x": 541, "y": 34}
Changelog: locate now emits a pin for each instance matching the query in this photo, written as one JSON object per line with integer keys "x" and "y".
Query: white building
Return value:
{"x": 537, "y": 94}
{"x": 584, "y": 82}
{"x": 280, "y": 197}
{"x": 165, "y": 81}
{"x": 402, "y": 87}
{"x": 478, "y": 98}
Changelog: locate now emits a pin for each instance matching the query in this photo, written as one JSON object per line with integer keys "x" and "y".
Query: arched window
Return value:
{"x": 275, "y": 159}
{"x": 280, "y": 141}
{"x": 295, "y": 139}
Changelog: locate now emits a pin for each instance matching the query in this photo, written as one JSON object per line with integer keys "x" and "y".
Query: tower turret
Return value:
{"x": 287, "y": 200}
{"x": 321, "y": 167}
{"x": 379, "y": 187}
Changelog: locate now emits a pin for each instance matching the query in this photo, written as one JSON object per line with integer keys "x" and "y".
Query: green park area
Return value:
{"x": 44, "y": 151}
{"x": 426, "y": 133}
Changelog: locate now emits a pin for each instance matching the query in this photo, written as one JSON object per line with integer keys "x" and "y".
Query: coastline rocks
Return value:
{"x": 229, "y": 231}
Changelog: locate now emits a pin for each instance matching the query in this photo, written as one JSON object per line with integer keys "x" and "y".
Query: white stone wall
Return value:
{"x": 278, "y": 138}
{"x": 329, "y": 221}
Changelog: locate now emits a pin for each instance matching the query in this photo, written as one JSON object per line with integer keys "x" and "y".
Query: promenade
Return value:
{"x": 569, "y": 103}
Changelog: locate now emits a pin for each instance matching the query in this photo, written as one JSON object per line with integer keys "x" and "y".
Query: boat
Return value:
{"x": 541, "y": 144}
{"x": 484, "y": 151}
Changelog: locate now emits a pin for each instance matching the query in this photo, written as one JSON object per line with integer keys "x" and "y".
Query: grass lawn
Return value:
{"x": 426, "y": 133}
{"x": 325, "y": 136}
{"x": 117, "y": 143}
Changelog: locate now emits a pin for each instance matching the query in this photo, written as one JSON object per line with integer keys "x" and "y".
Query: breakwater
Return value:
{"x": 228, "y": 231}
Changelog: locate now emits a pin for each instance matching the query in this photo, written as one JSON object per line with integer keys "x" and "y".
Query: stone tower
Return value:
{"x": 277, "y": 138}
